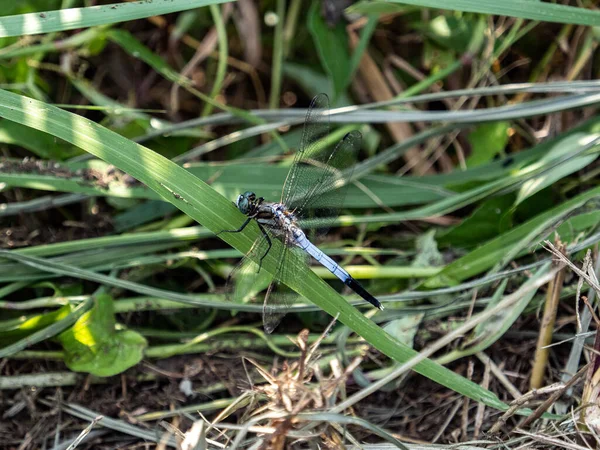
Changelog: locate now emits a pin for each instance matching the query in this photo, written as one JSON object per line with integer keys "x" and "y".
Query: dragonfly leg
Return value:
{"x": 244, "y": 225}
{"x": 269, "y": 244}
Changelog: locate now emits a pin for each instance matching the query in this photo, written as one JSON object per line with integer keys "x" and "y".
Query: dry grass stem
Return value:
{"x": 547, "y": 326}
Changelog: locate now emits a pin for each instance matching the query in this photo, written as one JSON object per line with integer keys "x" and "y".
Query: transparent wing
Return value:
{"x": 326, "y": 200}
{"x": 316, "y": 126}
{"x": 279, "y": 297}
{"x": 316, "y": 180}
{"x": 247, "y": 279}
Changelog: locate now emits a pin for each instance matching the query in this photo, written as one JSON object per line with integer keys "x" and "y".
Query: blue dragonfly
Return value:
{"x": 315, "y": 182}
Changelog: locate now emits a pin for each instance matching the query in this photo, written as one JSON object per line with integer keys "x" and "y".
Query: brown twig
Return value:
{"x": 547, "y": 327}
{"x": 520, "y": 402}
{"x": 550, "y": 401}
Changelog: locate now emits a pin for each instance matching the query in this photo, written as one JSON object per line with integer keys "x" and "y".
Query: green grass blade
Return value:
{"x": 532, "y": 10}
{"x": 223, "y": 55}
{"x": 494, "y": 251}
{"x": 49, "y": 331}
{"x": 72, "y": 18}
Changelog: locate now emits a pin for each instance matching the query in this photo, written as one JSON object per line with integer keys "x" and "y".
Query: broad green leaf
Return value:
{"x": 525, "y": 9}
{"x": 487, "y": 141}
{"x": 427, "y": 251}
{"x": 561, "y": 150}
{"x": 94, "y": 344}
{"x": 54, "y": 327}
{"x": 332, "y": 46}
{"x": 482, "y": 225}
{"x": 19, "y": 330}
{"x": 405, "y": 328}
{"x": 451, "y": 32}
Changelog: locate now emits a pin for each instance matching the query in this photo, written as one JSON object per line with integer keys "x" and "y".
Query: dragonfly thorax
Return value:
{"x": 278, "y": 218}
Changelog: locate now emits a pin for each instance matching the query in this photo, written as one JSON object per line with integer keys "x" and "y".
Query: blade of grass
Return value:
{"x": 223, "y": 55}
{"x": 56, "y": 46}
{"x": 533, "y": 10}
{"x": 278, "y": 43}
{"x": 494, "y": 251}
{"x": 189, "y": 234}
{"x": 72, "y": 18}
{"x": 39, "y": 204}
{"x": 49, "y": 331}
{"x": 551, "y": 87}
{"x": 105, "y": 259}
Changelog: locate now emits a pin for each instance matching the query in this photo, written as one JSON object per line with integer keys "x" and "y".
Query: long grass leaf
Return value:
{"x": 72, "y": 18}
{"x": 533, "y": 10}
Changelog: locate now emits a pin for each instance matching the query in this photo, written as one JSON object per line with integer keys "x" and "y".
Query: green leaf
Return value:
{"x": 495, "y": 250}
{"x": 427, "y": 251}
{"x": 94, "y": 345}
{"x": 533, "y": 10}
{"x": 32, "y": 324}
{"x": 38, "y": 143}
{"x": 405, "y": 328}
{"x": 54, "y": 327}
{"x": 332, "y": 46}
{"x": 487, "y": 141}
{"x": 561, "y": 152}
{"x": 482, "y": 225}
{"x": 451, "y": 32}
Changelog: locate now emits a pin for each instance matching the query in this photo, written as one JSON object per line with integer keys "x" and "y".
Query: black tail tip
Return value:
{"x": 360, "y": 290}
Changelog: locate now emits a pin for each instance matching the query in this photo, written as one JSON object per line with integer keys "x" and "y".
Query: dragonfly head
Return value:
{"x": 246, "y": 202}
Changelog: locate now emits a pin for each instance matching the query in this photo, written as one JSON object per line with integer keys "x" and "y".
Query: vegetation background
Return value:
{"x": 127, "y": 129}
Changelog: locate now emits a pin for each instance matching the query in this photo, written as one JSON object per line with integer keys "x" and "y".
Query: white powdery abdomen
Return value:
{"x": 322, "y": 258}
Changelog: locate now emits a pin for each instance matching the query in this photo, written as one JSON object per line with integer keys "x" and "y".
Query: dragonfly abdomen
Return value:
{"x": 303, "y": 242}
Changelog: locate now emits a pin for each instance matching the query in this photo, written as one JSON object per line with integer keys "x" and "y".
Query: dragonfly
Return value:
{"x": 316, "y": 182}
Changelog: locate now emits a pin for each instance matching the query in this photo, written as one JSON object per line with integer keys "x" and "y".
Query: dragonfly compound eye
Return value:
{"x": 245, "y": 202}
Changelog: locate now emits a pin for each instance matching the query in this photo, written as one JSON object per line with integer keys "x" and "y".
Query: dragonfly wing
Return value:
{"x": 247, "y": 279}
{"x": 317, "y": 179}
{"x": 301, "y": 176}
{"x": 326, "y": 200}
{"x": 279, "y": 297}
